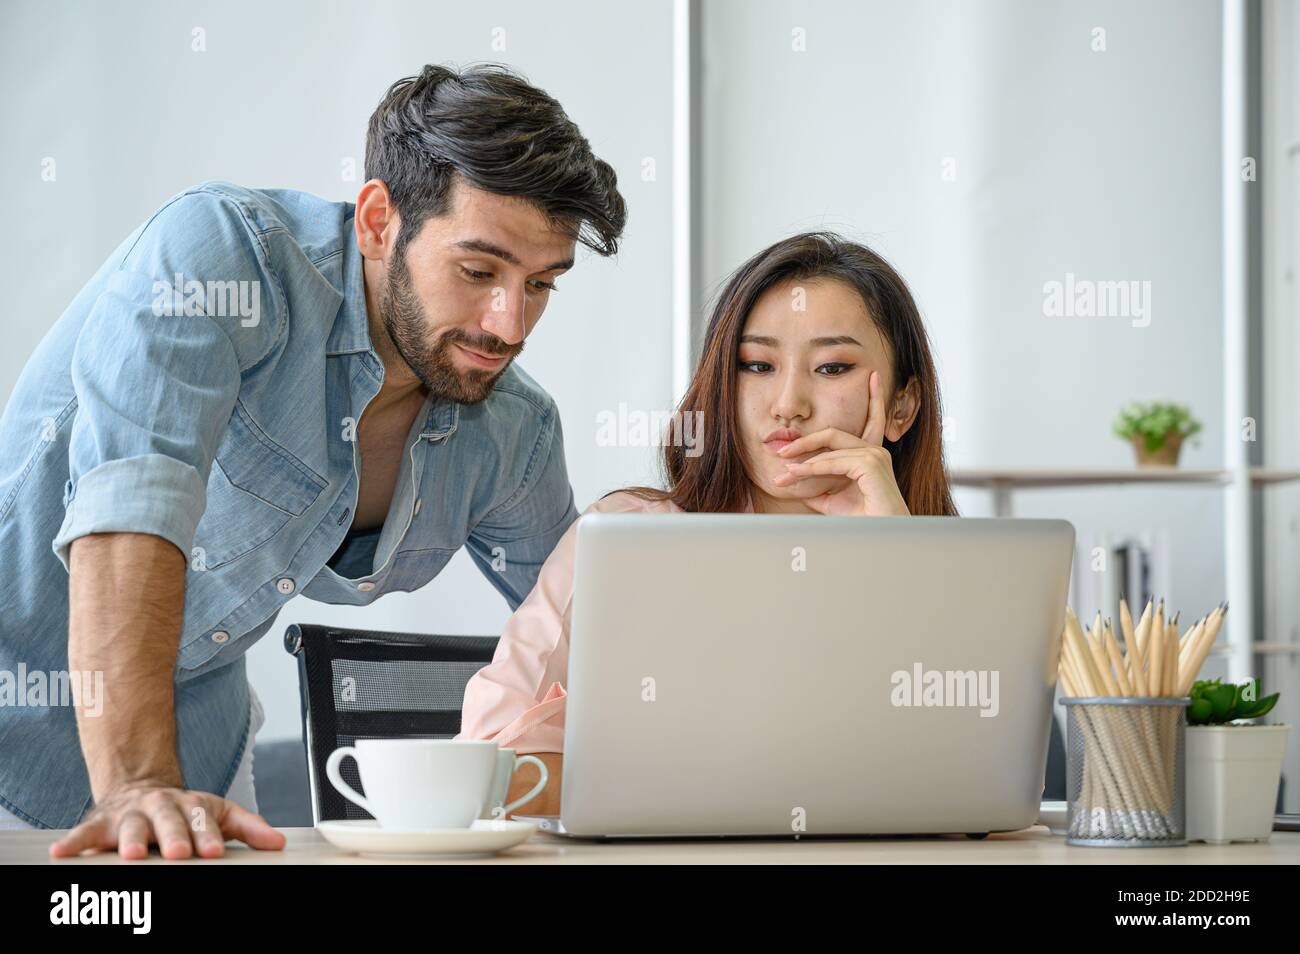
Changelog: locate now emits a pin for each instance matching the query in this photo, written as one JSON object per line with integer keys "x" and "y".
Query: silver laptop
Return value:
{"x": 751, "y": 675}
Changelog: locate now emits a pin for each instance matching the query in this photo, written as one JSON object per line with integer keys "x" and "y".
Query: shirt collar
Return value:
{"x": 350, "y": 332}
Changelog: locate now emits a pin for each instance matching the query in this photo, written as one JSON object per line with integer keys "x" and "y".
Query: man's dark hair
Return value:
{"x": 486, "y": 124}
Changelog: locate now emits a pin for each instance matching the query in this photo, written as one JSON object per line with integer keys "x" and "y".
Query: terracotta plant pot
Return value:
{"x": 1165, "y": 456}
{"x": 1233, "y": 773}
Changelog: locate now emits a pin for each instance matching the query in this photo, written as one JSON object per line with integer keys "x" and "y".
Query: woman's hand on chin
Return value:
{"x": 870, "y": 488}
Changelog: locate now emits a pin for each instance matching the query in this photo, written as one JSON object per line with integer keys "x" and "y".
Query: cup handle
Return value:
{"x": 536, "y": 789}
{"x": 336, "y": 779}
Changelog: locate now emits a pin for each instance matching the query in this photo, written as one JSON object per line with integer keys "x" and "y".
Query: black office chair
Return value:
{"x": 363, "y": 684}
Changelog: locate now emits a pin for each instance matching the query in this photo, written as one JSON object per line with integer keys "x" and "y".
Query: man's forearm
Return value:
{"x": 126, "y": 596}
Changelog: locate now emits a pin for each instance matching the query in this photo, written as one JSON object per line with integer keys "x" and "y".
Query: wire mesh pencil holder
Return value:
{"x": 1125, "y": 771}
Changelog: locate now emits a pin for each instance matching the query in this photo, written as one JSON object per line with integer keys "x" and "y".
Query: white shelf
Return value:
{"x": 1003, "y": 482}
{"x": 1268, "y": 649}
{"x": 1030, "y": 477}
{"x": 1079, "y": 477}
{"x": 1272, "y": 475}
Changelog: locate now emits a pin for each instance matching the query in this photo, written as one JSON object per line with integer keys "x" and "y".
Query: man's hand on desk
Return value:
{"x": 126, "y": 601}
{"x": 180, "y": 822}
{"x": 548, "y": 801}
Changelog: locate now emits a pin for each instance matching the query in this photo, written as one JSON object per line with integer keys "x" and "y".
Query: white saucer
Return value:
{"x": 485, "y": 836}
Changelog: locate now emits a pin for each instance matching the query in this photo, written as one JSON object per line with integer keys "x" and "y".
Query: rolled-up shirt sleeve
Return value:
{"x": 155, "y": 385}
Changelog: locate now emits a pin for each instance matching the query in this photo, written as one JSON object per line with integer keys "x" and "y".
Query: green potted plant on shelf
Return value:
{"x": 1233, "y": 769}
{"x": 1157, "y": 431}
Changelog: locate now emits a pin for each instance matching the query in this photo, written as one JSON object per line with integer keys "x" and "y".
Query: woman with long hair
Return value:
{"x": 815, "y": 392}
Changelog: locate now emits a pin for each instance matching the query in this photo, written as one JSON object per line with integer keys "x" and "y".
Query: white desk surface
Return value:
{"x": 1034, "y": 845}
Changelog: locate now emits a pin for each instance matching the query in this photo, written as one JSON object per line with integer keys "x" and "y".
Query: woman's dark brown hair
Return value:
{"x": 716, "y": 481}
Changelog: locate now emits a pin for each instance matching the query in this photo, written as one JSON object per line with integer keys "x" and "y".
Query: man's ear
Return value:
{"x": 904, "y": 407}
{"x": 376, "y": 220}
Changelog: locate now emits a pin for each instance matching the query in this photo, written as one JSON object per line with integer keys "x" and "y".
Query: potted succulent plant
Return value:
{"x": 1233, "y": 769}
{"x": 1157, "y": 431}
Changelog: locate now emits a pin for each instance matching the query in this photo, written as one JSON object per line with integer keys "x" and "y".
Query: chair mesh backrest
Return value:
{"x": 362, "y": 684}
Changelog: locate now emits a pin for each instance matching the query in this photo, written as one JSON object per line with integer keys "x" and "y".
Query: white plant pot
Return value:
{"x": 1233, "y": 773}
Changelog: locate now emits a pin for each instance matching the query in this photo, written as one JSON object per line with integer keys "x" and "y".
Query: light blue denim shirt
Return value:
{"x": 220, "y": 416}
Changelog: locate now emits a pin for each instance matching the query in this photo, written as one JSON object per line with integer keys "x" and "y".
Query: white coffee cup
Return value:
{"x": 419, "y": 784}
{"x": 507, "y": 763}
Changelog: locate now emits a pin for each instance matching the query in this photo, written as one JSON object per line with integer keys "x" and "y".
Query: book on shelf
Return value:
{"x": 1109, "y": 565}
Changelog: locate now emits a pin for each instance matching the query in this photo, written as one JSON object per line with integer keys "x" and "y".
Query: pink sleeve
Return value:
{"x": 517, "y": 700}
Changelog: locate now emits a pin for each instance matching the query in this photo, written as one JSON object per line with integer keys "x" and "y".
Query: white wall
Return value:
{"x": 281, "y": 96}
{"x": 1103, "y": 164}
{"x": 1280, "y": 182}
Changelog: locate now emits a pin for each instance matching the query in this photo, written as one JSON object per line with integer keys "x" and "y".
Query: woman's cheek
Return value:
{"x": 834, "y": 410}
{"x": 751, "y": 421}
{"x": 848, "y": 412}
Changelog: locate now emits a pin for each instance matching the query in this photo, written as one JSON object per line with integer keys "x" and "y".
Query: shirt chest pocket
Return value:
{"x": 255, "y": 488}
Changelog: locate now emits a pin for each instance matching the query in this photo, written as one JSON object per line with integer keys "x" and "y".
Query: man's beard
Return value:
{"x": 433, "y": 364}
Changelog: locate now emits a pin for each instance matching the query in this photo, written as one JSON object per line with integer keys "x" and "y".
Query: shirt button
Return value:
{"x": 365, "y": 587}
{"x": 220, "y": 636}
{"x": 417, "y": 504}
{"x": 284, "y": 584}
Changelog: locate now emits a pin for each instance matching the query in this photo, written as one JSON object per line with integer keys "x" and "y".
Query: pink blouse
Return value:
{"x": 517, "y": 700}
